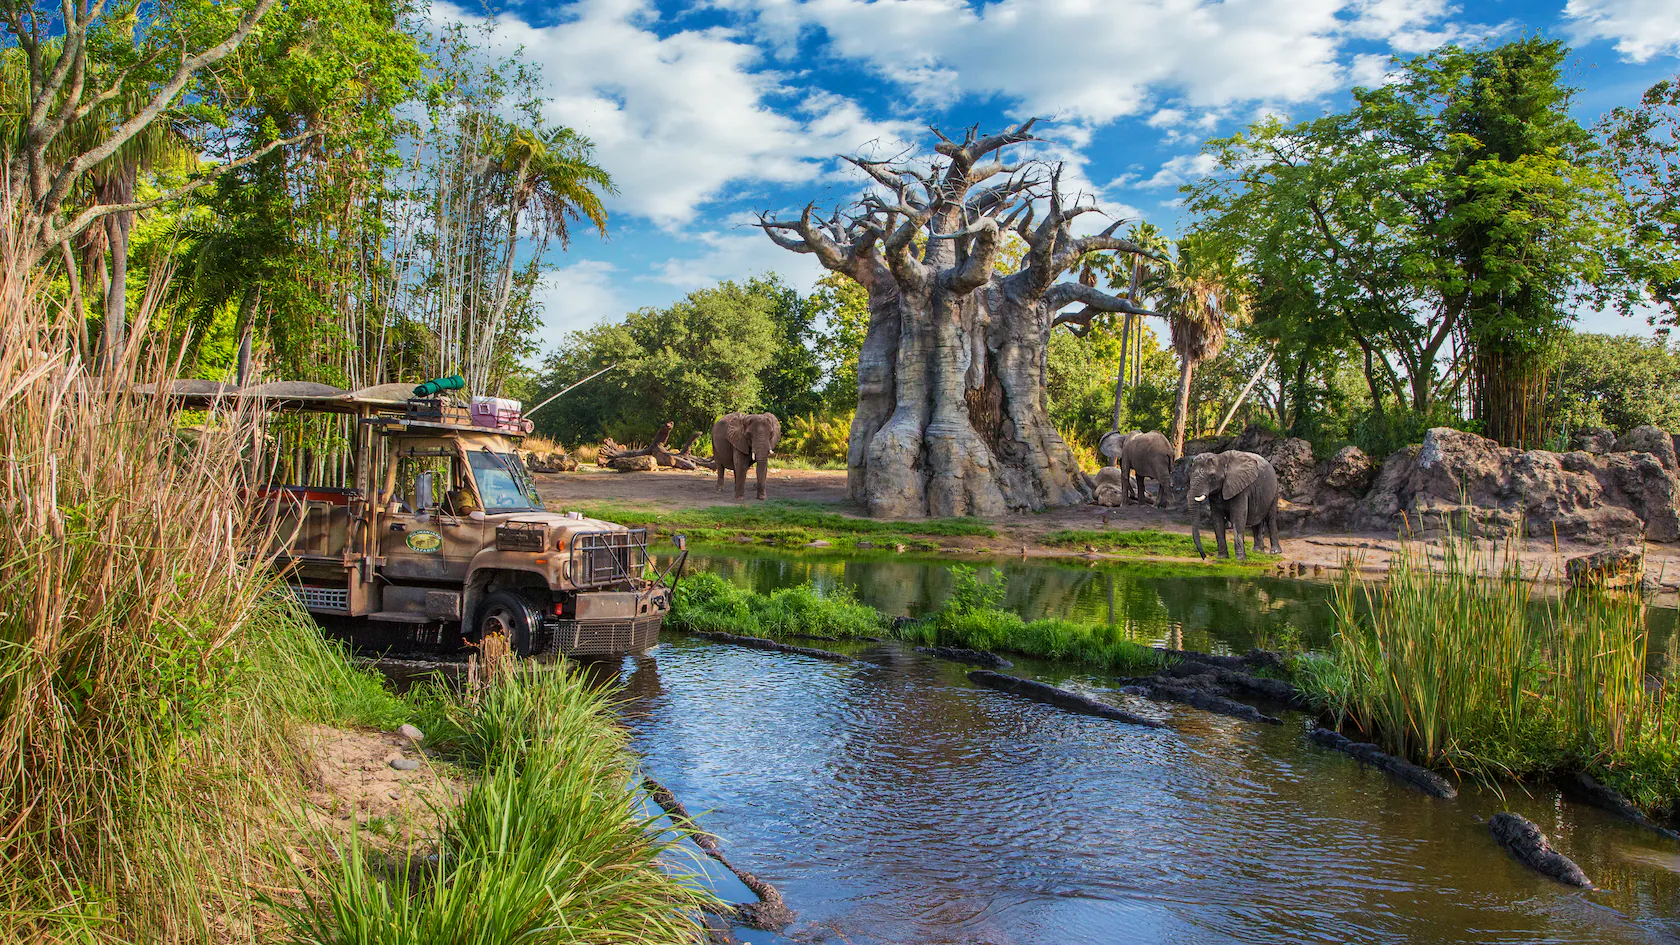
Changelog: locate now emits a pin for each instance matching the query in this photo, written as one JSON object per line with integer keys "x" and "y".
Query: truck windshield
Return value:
{"x": 502, "y": 483}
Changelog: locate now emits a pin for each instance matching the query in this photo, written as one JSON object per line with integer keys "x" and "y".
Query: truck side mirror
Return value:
{"x": 681, "y": 542}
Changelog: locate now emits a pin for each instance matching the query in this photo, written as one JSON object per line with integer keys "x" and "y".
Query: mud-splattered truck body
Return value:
{"x": 414, "y": 523}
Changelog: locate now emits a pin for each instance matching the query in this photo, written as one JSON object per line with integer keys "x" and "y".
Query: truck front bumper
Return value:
{"x": 608, "y": 623}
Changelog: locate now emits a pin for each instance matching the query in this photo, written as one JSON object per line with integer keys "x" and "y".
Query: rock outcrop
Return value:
{"x": 1609, "y": 488}
{"x": 1648, "y": 439}
{"x": 1469, "y": 483}
{"x": 1594, "y": 440}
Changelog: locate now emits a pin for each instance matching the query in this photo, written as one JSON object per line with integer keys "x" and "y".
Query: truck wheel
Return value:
{"x": 512, "y": 615}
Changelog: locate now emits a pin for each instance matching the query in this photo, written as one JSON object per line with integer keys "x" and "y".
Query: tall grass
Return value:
{"x": 1456, "y": 663}
{"x": 148, "y": 676}
{"x": 547, "y": 846}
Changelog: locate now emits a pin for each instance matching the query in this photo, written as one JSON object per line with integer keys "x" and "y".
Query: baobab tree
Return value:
{"x": 951, "y": 415}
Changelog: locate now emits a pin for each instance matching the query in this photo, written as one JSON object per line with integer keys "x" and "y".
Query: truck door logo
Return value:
{"x": 425, "y": 541}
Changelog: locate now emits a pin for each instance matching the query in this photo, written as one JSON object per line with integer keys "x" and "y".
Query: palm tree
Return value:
{"x": 1200, "y": 302}
{"x": 552, "y": 181}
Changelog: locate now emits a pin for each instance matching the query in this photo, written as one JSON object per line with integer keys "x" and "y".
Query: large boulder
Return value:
{"x": 1465, "y": 482}
{"x": 1594, "y": 440}
{"x": 1648, "y": 439}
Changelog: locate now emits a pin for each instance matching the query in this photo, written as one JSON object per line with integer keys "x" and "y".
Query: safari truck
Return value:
{"x": 423, "y": 528}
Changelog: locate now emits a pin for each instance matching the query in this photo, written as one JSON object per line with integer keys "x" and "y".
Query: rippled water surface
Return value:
{"x": 892, "y": 801}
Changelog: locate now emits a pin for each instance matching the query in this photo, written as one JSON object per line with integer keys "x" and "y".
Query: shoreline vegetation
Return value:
{"x": 795, "y": 524}
{"x": 157, "y": 781}
{"x": 1453, "y": 663}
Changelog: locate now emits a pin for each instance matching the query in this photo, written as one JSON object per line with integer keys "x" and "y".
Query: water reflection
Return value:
{"x": 892, "y": 802}
{"x": 1219, "y": 614}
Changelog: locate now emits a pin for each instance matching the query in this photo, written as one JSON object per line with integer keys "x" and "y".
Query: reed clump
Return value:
{"x": 1455, "y": 662}
{"x": 972, "y": 618}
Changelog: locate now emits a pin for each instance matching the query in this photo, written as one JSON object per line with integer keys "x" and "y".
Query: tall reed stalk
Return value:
{"x": 1457, "y": 662}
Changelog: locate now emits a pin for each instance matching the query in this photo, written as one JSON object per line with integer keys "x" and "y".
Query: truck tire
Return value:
{"x": 513, "y": 615}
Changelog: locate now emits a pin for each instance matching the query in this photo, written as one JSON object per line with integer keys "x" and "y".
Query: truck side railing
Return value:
{"x": 608, "y": 557}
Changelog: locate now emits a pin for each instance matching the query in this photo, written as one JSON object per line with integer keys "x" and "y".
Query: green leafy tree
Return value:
{"x": 840, "y": 315}
{"x": 1643, "y": 147}
{"x": 791, "y": 381}
{"x": 1460, "y": 204}
{"x": 1615, "y": 381}
{"x": 688, "y": 364}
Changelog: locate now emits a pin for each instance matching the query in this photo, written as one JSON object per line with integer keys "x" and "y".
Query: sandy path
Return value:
{"x": 1308, "y": 553}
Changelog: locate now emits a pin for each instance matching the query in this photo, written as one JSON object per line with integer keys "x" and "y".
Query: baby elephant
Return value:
{"x": 1235, "y": 487}
{"x": 739, "y": 440}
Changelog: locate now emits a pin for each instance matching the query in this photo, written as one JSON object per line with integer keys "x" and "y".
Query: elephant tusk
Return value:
{"x": 1200, "y": 498}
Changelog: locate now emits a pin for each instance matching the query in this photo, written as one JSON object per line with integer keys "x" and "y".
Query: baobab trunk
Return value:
{"x": 952, "y": 417}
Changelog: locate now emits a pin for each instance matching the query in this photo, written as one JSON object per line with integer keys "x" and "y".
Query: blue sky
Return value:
{"x": 707, "y": 112}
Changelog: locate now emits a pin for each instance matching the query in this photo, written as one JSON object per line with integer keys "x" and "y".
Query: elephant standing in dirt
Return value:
{"x": 1236, "y": 487}
{"x": 1146, "y": 455}
{"x": 739, "y": 440}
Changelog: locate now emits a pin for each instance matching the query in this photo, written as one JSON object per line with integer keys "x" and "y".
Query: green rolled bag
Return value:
{"x": 437, "y": 386}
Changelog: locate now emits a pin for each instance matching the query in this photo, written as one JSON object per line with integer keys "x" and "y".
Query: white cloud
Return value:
{"x": 1641, "y": 29}
{"x": 1095, "y": 62}
{"x": 1182, "y": 170}
{"x": 683, "y": 119}
{"x": 574, "y": 297}
{"x": 1167, "y": 118}
{"x": 737, "y": 255}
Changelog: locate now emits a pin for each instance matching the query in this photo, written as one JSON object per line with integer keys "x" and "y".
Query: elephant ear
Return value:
{"x": 1241, "y": 469}
{"x": 1112, "y": 444}
{"x": 737, "y": 432}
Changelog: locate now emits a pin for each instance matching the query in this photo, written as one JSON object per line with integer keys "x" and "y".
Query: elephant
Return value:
{"x": 1236, "y": 487}
{"x": 1113, "y": 443}
{"x": 1111, "y": 489}
{"x": 739, "y": 440}
{"x": 1146, "y": 455}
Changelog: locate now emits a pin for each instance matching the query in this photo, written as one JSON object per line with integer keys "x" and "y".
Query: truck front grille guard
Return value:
{"x": 614, "y": 557}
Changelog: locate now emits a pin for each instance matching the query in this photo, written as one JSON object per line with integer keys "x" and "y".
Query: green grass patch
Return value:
{"x": 972, "y": 619}
{"x": 786, "y": 523}
{"x": 709, "y": 603}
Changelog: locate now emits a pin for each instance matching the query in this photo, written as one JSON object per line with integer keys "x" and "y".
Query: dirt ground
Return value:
{"x": 1308, "y": 554}
{"x": 353, "y": 778}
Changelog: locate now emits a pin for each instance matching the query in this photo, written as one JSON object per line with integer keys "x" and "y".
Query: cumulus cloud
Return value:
{"x": 1093, "y": 63}
{"x": 679, "y": 119}
{"x": 1640, "y": 29}
{"x": 1181, "y": 170}
{"x": 736, "y": 255}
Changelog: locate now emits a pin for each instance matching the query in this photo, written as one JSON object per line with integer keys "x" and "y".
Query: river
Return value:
{"x": 892, "y": 802}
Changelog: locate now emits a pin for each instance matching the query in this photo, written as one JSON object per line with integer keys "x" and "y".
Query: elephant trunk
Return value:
{"x": 1196, "y": 527}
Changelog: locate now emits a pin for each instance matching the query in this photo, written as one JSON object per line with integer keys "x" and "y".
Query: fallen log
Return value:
{"x": 1058, "y": 697}
{"x": 971, "y": 657}
{"x": 683, "y": 458}
{"x": 1423, "y": 779}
